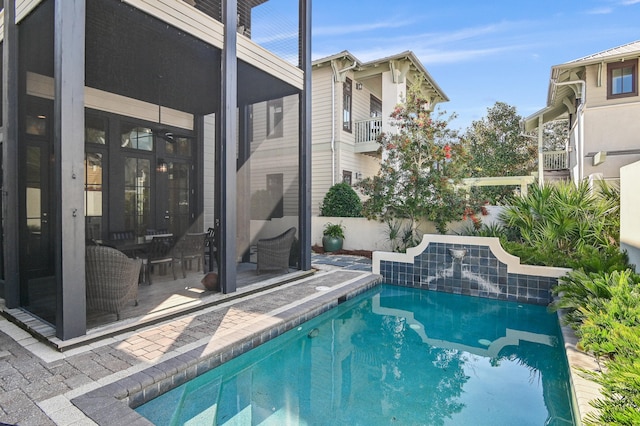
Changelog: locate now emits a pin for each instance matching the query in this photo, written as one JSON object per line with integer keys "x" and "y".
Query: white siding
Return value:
{"x": 276, "y": 155}
{"x": 321, "y": 105}
{"x": 345, "y": 156}
{"x": 597, "y": 96}
{"x": 609, "y": 125}
{"x": 321, "y": 176}
{"x": 23, "y": 7}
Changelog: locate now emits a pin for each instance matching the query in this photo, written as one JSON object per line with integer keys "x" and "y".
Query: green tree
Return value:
{"x": 421, "y": 168}
{"x": 498, "y": 148}
{"x": 556, "y": 135}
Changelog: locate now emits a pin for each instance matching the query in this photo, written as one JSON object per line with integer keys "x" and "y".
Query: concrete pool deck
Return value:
{"x": 41, "y": 386}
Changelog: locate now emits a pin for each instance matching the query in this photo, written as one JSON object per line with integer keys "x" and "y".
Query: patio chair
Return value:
{"x": 111, "y": 279}
{"x": 190, "y": 248}
{"x": 273, "y": 253}
{"x": 210, "y": 249}
{"x": 160, "y": 252}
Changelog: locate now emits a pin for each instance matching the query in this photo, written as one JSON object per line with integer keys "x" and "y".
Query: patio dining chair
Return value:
{"x": 191, "y": 247}
{"x": 160, "y": 252}
{"x": 273, "y": 253}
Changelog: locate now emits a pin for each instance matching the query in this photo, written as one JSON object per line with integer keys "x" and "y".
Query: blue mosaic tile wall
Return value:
{"x": 478, "y": 273}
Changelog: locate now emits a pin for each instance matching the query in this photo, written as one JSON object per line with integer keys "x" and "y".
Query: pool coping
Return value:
{"x": 584, "y": 391}
{"x": 114, "y": 403}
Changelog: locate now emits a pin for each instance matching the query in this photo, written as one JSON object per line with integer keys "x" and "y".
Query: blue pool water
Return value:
{"x": 392, "y": 356}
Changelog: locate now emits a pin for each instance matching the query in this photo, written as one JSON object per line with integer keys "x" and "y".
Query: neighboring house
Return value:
{"x": 598, "y": 94}
{"x": 127, "y": 117}
{"x": 351, "y": 105}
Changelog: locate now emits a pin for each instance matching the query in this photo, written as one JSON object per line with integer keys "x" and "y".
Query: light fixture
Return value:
{"x": 161, "y": 167}
{"x": 358, "y": 85}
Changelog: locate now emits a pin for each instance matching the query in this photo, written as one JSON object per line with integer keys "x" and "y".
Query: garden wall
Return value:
{"x": 629, "y": 207}
{"x": 363, "y": 234}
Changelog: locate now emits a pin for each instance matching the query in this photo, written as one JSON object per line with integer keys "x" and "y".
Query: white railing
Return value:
{"x": 555, "y": 160}
{"x": 367, "y": 130}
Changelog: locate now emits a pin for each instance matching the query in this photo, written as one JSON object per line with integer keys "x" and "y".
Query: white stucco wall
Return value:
{"x": 629, "y": 206}
{"x": 363, "y": 234}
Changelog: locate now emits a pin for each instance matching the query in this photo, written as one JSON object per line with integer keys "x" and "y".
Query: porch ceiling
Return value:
{"x": 132, "y": 54}
{"x": 135, "y": 55}
{"x": 129, "y": 51}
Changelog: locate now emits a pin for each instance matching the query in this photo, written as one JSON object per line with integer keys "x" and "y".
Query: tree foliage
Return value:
{"x": 422, "y": 165}
{"x": 341, "y": 201}
{"x": 556, "y": 135}
{"x": 498, "y": 148}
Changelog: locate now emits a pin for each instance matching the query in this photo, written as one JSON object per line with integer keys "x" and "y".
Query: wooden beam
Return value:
{"x": 226, "y": 152}
{"x": 10, "y": 199}
{"x": 68, "y": 143}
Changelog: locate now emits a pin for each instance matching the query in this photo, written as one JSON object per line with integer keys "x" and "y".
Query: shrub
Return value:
{"x": 335, "y": 230}
{"x": 341, "y": 201}
{"x": 402, "y": 237}
{"x": 604, "y": 308}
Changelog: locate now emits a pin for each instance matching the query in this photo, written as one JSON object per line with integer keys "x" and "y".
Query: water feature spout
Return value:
{"x": 457, "y": 254}
{"x": 456, "y": 265}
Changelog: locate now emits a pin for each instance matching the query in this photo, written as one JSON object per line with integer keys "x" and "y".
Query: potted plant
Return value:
{"x": 333, "y": 236}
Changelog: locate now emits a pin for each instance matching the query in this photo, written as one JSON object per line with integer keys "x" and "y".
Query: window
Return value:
{"x": 375, "y": 107}
{"x": 274, "y": 118}
{"x": 347, "y": 177}
{"x": 275, "y": 187}
{"x": 93, "y": 193}
{"x": 622, "y": 79}
{"x": 346, "y": 105}
{"x": 135, "y": 137}
{"x": 137, "y": 194}
{"x": 95, "y": 130}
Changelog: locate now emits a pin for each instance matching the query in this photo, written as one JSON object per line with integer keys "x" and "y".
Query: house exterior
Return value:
{"x": 138, "y": 116}
{"x": 351, "y": 104}
{"x": 598, "y": 94}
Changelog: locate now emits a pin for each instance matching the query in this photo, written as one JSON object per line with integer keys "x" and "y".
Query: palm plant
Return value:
{"x": 566, "y": 218}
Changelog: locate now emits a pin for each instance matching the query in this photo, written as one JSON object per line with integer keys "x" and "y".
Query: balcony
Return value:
{"x": 366, "y": 133}
{"x": 555, "y": 160}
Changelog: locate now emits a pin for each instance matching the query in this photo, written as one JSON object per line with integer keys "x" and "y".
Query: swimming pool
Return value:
{"x": 390, "y": 356}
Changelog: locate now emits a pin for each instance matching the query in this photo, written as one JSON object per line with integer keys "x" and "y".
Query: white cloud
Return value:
{"x": 629, "y": 2}
{"x": 601, "y": 10}
{"x": 433, "y": 57}
{"x": 359, "y": 28}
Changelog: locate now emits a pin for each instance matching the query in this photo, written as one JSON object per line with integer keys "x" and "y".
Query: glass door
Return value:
{"x": 179, "y": 197}
{"x": 37, "y": 268}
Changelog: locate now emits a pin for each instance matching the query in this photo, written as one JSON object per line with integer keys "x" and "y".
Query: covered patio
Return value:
{"x": 160, "y": 123}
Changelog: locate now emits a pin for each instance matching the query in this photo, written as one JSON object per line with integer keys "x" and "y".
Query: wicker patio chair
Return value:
{"x": 112, "y": 279}
{"x": 273, "y": 253}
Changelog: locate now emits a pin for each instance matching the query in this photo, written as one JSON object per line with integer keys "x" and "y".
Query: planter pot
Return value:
{"x": 331, "y": 243}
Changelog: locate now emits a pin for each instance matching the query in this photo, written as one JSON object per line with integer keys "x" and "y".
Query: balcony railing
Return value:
{"x": 555, "y": 160}
{"x": 367, "y": 130}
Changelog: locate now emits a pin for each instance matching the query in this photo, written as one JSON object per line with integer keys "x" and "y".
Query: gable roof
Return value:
{"x": 560, "y": 87}
{"x": 378, "y": 66}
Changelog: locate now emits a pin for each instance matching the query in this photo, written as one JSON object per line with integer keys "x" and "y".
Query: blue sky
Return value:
{"x": 478, "y": 52}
